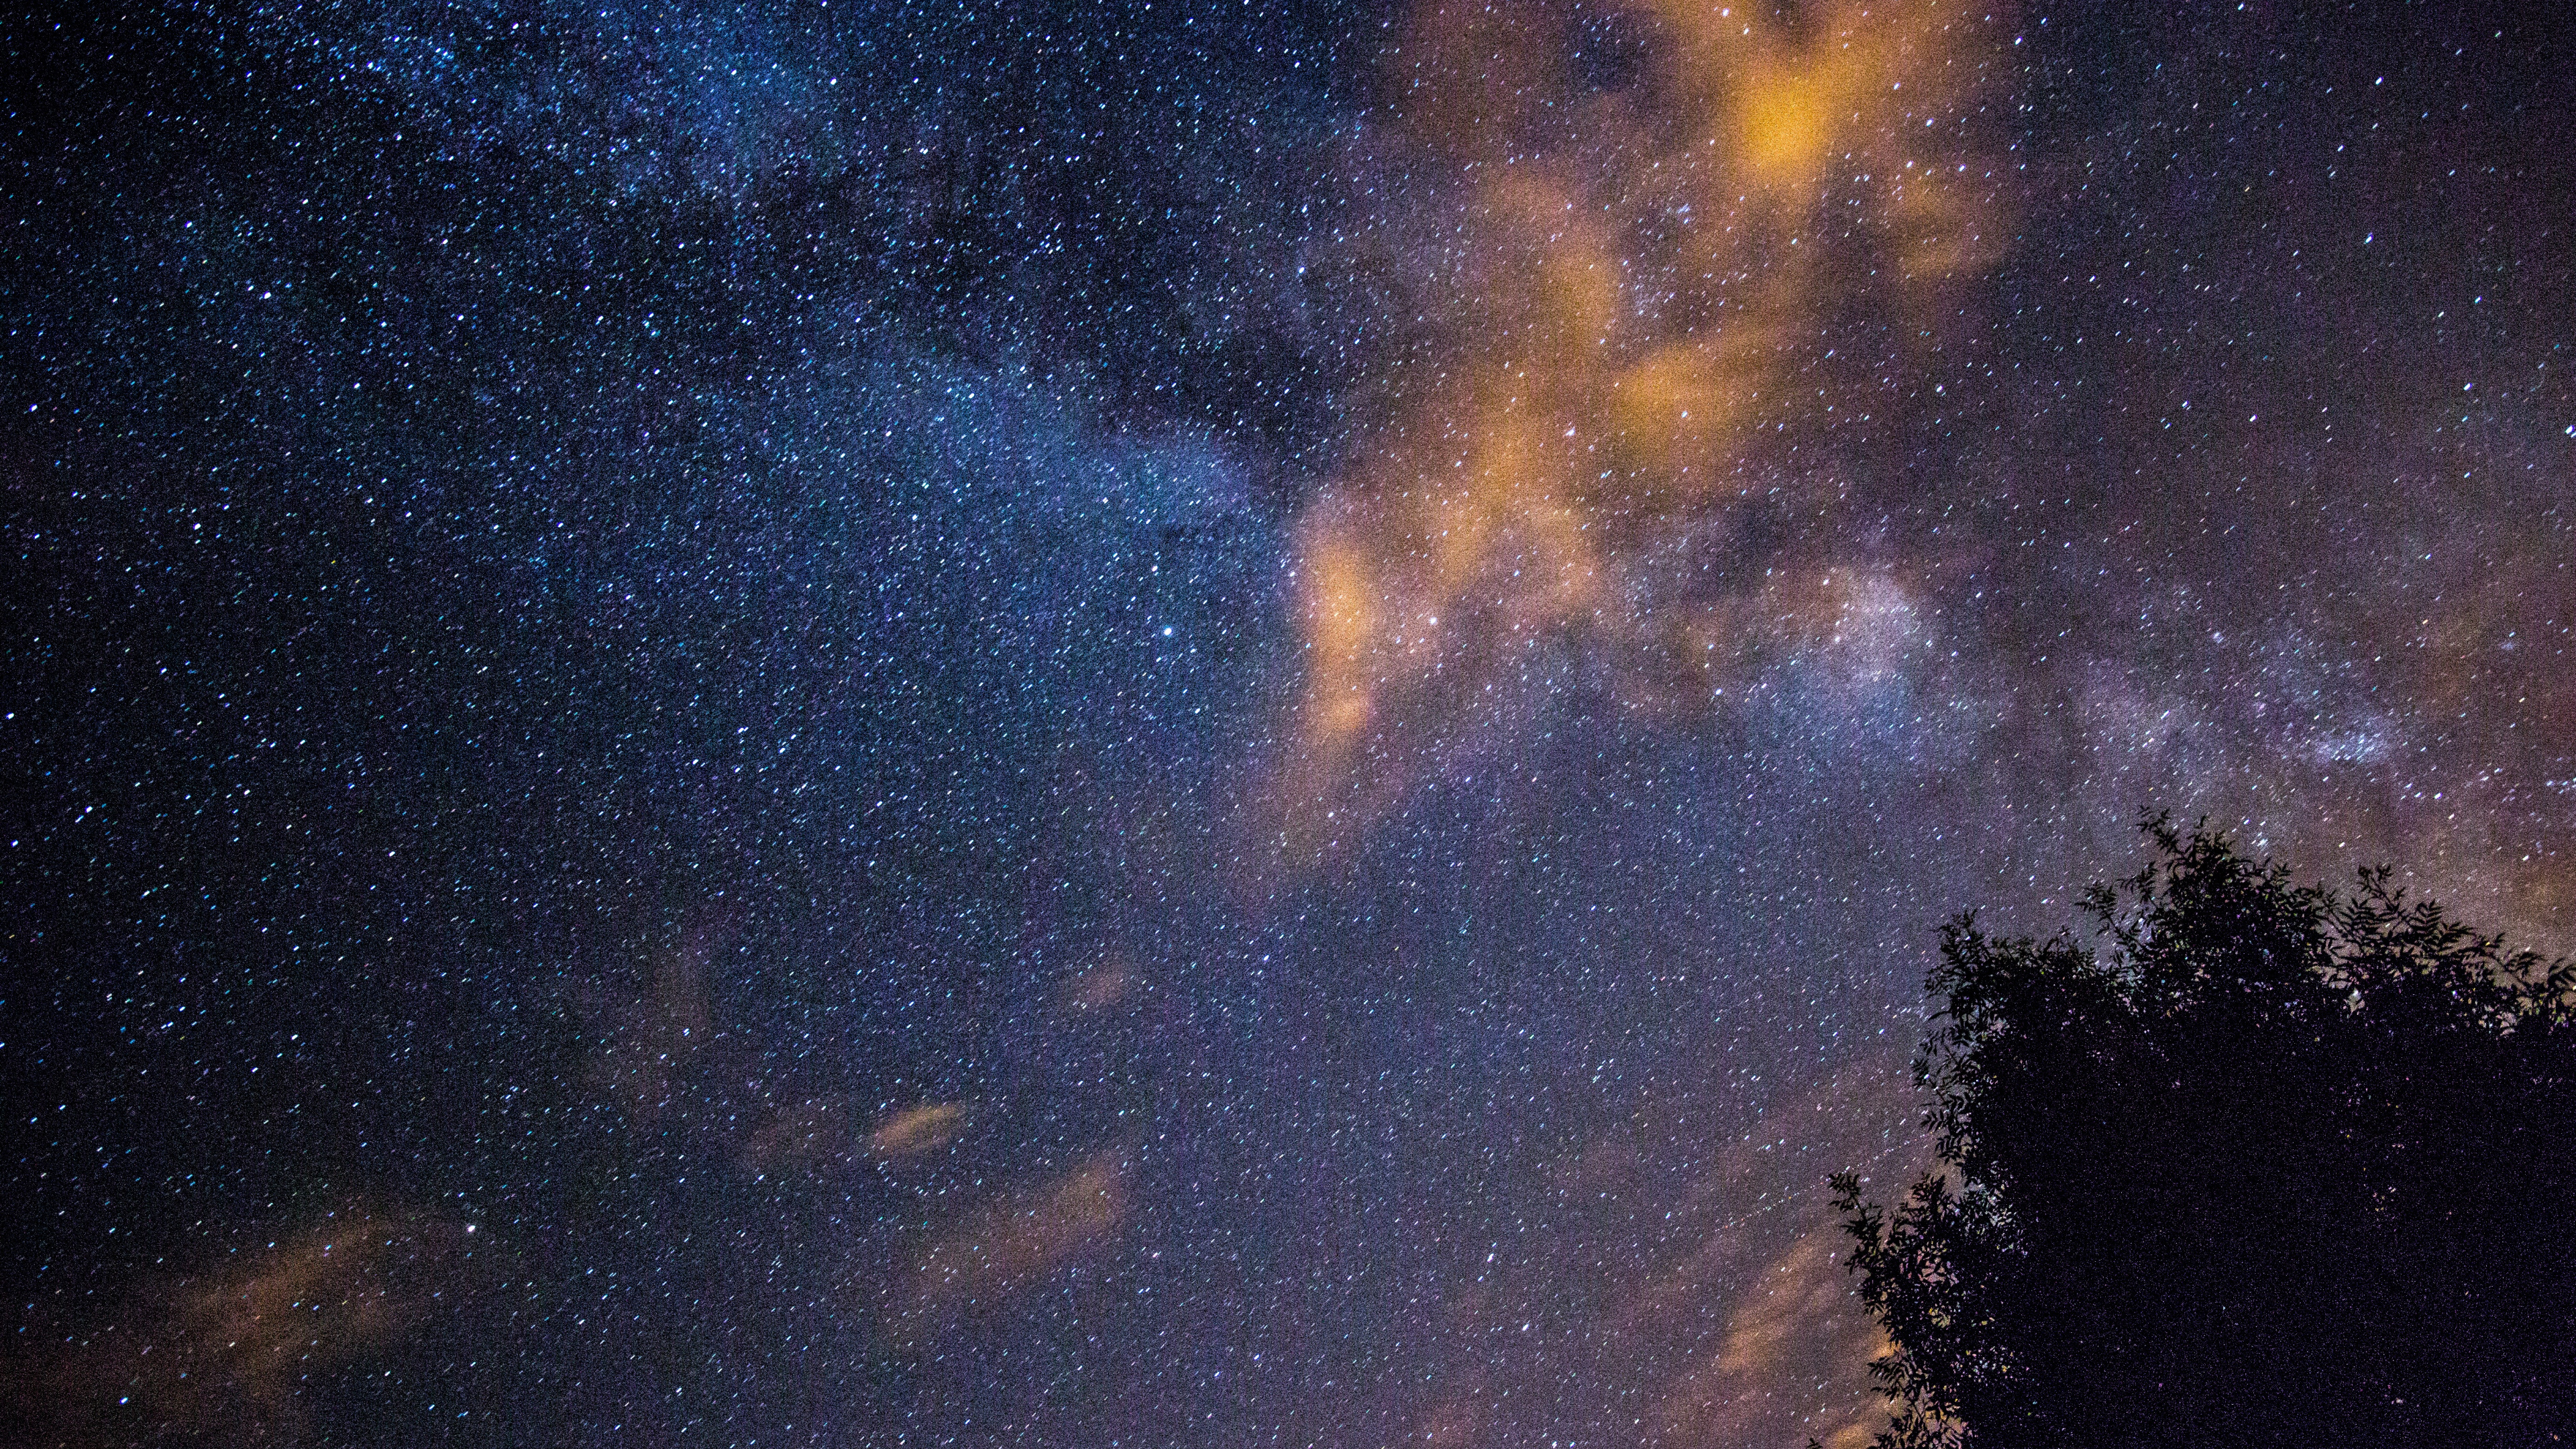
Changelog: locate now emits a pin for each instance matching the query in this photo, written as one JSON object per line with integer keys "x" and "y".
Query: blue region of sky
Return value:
{"x": 755, "y": 723}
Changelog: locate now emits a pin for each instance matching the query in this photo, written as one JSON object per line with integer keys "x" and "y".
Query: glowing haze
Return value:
{"x": 1658, "y": 223}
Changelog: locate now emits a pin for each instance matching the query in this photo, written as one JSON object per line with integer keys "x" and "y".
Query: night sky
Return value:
{"x": 1189, "y": 724}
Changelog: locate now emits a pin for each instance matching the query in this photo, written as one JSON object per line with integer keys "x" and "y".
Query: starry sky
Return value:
{"x": 1208, "y": 723}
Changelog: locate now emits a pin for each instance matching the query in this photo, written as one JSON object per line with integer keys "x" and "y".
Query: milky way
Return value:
{"x": 872, "y": 724}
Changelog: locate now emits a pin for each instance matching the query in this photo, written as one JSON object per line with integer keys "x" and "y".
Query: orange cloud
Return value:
{"x": 230, "y": 1351}
{"x": 1698, "y": 1281}
{"x": 1632, "y": 273}
{"x": 983, "y": 1262}
{"x": 916, "y": 1130}
{"x": 1796, "y": 1334}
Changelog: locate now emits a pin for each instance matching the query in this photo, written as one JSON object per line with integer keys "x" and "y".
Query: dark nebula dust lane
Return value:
{"x": 1214, "y": 724}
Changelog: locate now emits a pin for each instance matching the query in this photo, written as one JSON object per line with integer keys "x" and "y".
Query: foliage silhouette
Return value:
{"x": 2280, "y": 1164}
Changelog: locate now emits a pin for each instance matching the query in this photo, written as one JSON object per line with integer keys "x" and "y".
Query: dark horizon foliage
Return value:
{"x": 2279, "y": 1163}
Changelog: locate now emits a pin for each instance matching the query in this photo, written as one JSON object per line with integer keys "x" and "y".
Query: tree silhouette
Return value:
{"x": 2277, "y": 1165}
